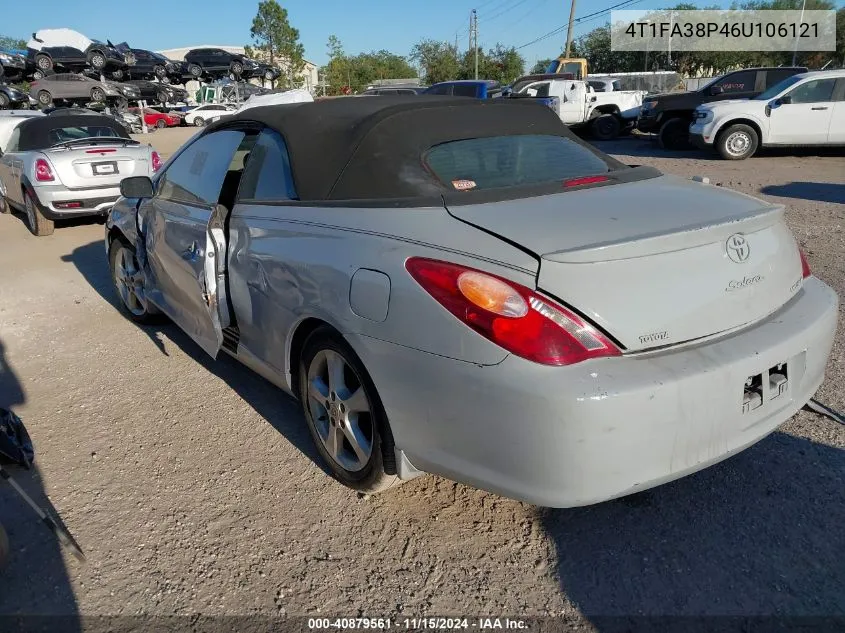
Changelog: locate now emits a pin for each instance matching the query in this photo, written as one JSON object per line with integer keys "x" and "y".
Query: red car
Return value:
{"x": 157, "y": 119}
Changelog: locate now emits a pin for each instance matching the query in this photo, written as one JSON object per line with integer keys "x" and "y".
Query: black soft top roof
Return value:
{"x": 371, "y": 148}
{"x": 35, "y": 132}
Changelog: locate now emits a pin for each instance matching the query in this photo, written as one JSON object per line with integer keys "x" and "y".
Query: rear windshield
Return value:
{"x": 64, "y": 134}
{"x": 509, "y": 161}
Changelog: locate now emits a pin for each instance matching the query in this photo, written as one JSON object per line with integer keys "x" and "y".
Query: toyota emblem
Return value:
{"x": 737, "y": 248}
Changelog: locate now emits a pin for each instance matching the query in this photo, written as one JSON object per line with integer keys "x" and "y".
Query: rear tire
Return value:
{"x": 128, "y": 282}
{"x": 737, "y": 142}
{"x": 35, "y": 220}
{"x": 196, "y": 71}
{"x": 199, "y": 121}
{"x": 674, "y": 134}
{"x": 237, "y": 68}
{"x": 44, "y": 98}
{"x": 161, "y": 124}
{"x": 97, "y": 95}
{"x": 97, "y": 60}
{"x": 4, "y": 206}
{"x": 606, "y": 127}
{"x": 160, "y": 72}
{"x": 4, "y": 101}
{"x": 162, "y": 97}
{"x": 44, "y": 63}
{"x": 344, "y": 413}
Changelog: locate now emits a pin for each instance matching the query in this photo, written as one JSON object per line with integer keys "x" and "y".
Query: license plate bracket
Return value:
{"x": 765, "y": 386}
{"x": 104, "y": 168}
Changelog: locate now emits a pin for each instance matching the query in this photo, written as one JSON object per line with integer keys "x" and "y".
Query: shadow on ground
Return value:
{"x": 60, "y": 224}
{"x": 35, "y": 589}
{"x": 715, "y": 543}
{"x": 281, "y": 411}
{"x": 819, "y": 191}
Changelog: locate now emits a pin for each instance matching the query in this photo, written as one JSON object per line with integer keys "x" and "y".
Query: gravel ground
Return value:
{"x": 192, "y": 487}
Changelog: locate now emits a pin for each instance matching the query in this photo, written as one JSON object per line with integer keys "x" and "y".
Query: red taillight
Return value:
{"x": 100, "y": 151}
{"x": 510, "y": 315}
{"x": 585, "y": 180}
{"x": 156, "y": 161}
{"x": 805, "y": 266}
{"x": 43, "y": 173}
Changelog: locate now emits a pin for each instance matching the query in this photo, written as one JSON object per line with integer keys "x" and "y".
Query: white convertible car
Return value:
{"x": 805, "y": 109}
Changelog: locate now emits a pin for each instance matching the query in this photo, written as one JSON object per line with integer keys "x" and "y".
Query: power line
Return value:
{"x": 584, "y": 18}
{"x": 503, "y": 12}
{"x": 530, "y": 11}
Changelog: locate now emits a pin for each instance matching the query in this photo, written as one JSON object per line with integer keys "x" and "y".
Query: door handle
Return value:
{"x": 819, "y": 108}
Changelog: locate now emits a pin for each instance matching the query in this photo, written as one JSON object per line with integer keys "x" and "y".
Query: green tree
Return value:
{"x": 358, "y": 71}
{"x": 540, "y": 66}
{"x": 278, "y": 41}
{"x": 8, "y": 43}
{"x": 437, "y": 61}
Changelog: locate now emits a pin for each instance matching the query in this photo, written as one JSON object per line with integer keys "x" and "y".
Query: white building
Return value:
{"x": 308, "y": 75}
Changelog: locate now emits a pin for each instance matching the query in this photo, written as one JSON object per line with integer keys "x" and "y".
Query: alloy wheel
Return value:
{"x": 129, "y": 282}
{"x": 341, "y": 411}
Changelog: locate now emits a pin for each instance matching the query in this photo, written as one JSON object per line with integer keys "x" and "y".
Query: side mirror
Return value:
{"x": 136, "y": 187}
{"x": 716, "y": 90}
{"x": 784, "y": 100}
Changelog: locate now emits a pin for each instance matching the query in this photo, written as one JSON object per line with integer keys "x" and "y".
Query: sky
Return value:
{"x": 361, "y": 25}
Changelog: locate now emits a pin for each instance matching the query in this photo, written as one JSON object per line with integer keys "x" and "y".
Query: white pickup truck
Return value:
{"x": 608, "y": 113}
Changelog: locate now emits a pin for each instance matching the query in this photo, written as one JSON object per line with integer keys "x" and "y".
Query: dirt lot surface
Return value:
{"x": 192, "y": 487}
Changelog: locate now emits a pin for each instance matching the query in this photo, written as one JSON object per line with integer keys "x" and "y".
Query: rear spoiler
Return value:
{"x": 95, "y": 140}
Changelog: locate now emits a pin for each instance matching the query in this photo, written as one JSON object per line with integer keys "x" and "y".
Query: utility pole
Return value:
{"x": 569, "y": 30}
{"x": 671, "y": 26}
{"x": 473, "y": 31}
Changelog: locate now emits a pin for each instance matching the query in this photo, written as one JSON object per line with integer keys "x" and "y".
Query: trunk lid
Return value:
{"x": 654, "y": 262}
{"x": 99, "y": 165}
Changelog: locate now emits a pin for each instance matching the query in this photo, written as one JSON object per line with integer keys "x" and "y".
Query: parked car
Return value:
{"x": 73, "y": 88}
{"x": 61, "y": 166}
{"x": 152, "y": 65}
{"x": 12, "y": 66}
{"x": 151, "y": 91}
{"x": 478, "y": 89}
{"x": 805, "y": 109}
{"x": 606, "y": 115}
{"x": 393, "y": 90}
{"x": 669, "y": 115}
{"x": 216, "y": 62}
{"x": 200, "y": 115}
{"x": 11, "y": 97}
{"x": 157, "y": 119}
{"x": 68, "y": 50}
{"x": 482, "y": 295}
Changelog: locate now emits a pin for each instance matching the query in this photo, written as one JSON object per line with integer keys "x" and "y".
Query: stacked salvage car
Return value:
{"x": 66, "y": 67}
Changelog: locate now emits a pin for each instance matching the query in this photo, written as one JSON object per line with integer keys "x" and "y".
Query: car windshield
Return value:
{"x": 779, "y": 87}
{"x": 508, "y": 161}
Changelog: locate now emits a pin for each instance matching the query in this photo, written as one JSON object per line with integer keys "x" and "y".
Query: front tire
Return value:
{"x": 737, "y": 142}
{"x": 4, "y": 101}
{"x": 128, "y": 282}
{"x": 44, "y": 63}
{"x": 44, "y": 98}
{"x": 38, "y": 224}
{"x": 97, "y": 95}
{"x": 160, "y": 72}
{"x": 237, "y": 69}
{"x": 344, "y": 413}
{"x": 196, "y": 71}
{"x": 674, "y": 134}
{"x": 161, "y": 124}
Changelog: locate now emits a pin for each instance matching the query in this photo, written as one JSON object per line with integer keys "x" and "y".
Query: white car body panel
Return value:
{"x": 60, "y": 37}
{"x": 279, "y": 98}
{"x": 207, "y": 113}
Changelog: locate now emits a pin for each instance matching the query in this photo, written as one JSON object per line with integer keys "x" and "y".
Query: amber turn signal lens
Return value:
{"x": 492, "y": 294}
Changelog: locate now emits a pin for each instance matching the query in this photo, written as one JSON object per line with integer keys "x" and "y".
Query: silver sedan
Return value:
{"x": 464, "y": 288}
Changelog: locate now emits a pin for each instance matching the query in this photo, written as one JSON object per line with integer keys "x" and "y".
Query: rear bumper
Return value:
{"x": 574, "y": 436}
{"x": 94, "y": 201}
